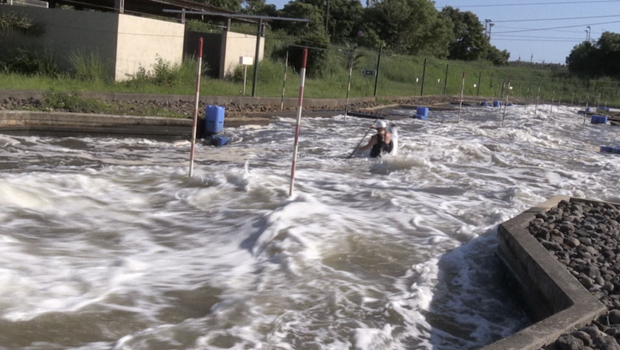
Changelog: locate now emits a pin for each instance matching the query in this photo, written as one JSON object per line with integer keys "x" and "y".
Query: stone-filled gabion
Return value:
{"x": 585, "y": 237}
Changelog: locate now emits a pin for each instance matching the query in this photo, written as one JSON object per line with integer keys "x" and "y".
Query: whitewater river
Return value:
{"x": 107, "y": 244}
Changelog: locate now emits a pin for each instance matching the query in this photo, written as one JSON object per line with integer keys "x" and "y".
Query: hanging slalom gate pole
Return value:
{"x": 195, "y": 124}
{"x": 585, "y": 113}
{"x": 552, "y": 101}
{"x": 506, "y": 103}
{"x": 377, "y": 73}
{"x": 284, "y": 81}
{"x": 423, "y": 78}
{"x": 363, "y": 137}
{"x": 479, "y": 78}
{"x": 302, "y": 82}
{"x": 537, "y": 99}
{"x": 461, "y": 101}
{"x": 445, "y": 80}
{"x": 346, "y": 108}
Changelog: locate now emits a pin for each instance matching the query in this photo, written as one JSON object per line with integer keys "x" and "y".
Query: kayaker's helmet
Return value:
{"x": 380, "y": 124}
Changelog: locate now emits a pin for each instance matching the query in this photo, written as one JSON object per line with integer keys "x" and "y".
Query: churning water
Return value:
{"x": 107, "y": 244}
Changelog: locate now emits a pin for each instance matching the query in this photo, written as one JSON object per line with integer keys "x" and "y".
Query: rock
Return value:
{"x": 606, "y": 343}
{"x": 585, "y": 337}
{"x": 614, "y": 317}
{"x": 567, "y": 228}
{"x": 571, "y": 242}
{"x": 569, "y": 342}
{"x": 551, "y": 245}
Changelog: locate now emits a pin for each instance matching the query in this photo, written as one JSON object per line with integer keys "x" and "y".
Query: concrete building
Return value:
{"x": 126, "y": 44}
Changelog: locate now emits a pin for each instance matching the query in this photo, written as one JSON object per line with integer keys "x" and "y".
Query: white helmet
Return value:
{"x": 380, "y": 124}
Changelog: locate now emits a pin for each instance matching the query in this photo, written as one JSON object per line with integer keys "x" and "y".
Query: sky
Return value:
{"x": 537, "y": 31}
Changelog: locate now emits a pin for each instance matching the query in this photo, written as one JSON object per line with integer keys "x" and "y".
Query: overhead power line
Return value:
{"x": 537, "y": 3}
{"x": 551, "y": 19}
{"x": 550, "y": 28}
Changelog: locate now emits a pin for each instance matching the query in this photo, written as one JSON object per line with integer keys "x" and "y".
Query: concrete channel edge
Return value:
{"x": 550, "y": 295}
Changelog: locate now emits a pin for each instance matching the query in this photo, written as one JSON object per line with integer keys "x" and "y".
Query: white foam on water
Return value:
{"x": 107, "y": 242}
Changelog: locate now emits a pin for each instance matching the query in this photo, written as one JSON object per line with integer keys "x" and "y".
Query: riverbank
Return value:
{"x": 183, "y": 106}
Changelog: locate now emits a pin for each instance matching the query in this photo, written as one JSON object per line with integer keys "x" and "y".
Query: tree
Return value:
{"x": 232, "y": 5}
{"x": 497, "y": 57}
{"x": 581, "y": 59}
{"x": 317, "y": 54}
{"x": 259, "y": 8}
{"x": 343, "y": 20}
{"x": 409, "y": 26}
{"x": 470, "y": 42}
{"x": 596, "y": 59}
{"x": 297, "y": 9}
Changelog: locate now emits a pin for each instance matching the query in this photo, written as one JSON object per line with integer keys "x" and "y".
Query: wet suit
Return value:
{"x": 381, "y": 147}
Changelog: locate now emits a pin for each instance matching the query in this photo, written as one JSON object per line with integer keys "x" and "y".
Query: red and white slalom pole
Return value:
{"x": 195, "y": 125}
{"x": 302, "y": 75}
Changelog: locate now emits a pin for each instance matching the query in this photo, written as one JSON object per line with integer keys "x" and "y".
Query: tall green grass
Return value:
{"x": 399, "y": 76}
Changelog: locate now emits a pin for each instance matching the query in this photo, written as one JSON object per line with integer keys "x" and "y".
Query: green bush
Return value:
{"x": 88, "y": 66}
{"x": 30, "y": 62}
{"x": 72, "y": 102}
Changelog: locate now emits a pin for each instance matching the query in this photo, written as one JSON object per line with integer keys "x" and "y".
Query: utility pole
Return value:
{"x": 486, "y": 27}
{"x": 491, "y": 24}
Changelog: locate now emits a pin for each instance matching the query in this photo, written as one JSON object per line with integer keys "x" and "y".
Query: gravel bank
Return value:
{"x": 182, "y": 108}
{"x": 585, "y": 237}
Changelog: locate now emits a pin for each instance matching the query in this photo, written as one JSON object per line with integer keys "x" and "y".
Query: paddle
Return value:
{"x": 366, "y": 134}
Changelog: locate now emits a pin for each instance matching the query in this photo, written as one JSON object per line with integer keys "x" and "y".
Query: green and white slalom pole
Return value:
{"x": 302, "y": 74}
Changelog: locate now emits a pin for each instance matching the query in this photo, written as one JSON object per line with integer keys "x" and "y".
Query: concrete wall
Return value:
{"x": 551, "y": 296}
{"x": 211, "y": 51}
{"x": 67, "y": 32}
{"x": 142, "y": 41}
{"x": 235, "y": 45}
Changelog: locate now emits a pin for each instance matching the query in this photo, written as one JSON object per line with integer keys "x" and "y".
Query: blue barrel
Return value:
{"x": 215, "y": 119}
{"x": 598, "y": 119}
{"x": 496, "y": 103}
{"x": 422, "y": 113}
{"x": 484, "y": 104}
{"x": 219, "y": 140}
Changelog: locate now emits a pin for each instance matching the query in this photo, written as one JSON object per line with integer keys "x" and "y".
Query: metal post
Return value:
{"x": 195, "y": 124}
{"x": 245, "y": 76}
{"x": 445, "y": 80}
{"x": 378, "y": 67}
{"x": 302, "y": 82}
{"x": 259, "y": 32}
{"x": 284, "y": 81}
{"x": 423, "y": 77}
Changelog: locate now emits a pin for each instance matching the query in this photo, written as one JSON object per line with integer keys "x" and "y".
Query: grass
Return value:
{"x": 399, "y": 76}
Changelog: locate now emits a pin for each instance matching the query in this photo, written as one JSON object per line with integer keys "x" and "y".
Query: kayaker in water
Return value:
{"x": 380, "y": 143}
